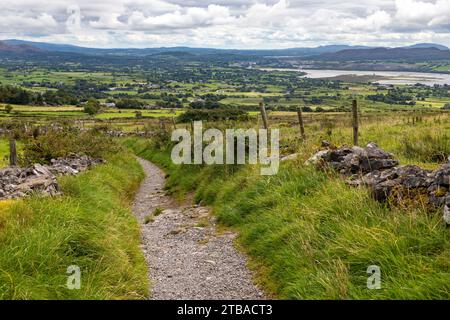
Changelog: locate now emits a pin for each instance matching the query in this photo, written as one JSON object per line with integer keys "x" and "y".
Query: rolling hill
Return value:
{"x": 386, "y": 54}
{"x": 18, "y": 48}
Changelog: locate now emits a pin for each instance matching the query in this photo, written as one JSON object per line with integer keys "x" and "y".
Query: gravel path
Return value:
{"x": 187, "y": 257}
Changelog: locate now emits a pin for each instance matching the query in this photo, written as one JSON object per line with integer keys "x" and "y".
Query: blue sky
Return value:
{"x": 227, "y": 23}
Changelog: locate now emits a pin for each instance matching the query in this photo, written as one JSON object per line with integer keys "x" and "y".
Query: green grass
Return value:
{"x": 90, "y": 226}
{"x": 74, "y": 111}
{"x": 4, "y": 152}
{"x": 310, "y": 236}
{"x": 131, "y": 113}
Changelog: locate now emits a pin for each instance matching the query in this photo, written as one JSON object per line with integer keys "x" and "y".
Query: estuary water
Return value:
{"x": 388, "y": 77}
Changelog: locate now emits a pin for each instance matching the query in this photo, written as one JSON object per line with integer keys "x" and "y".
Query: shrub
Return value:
{"x": 213, "y": 115}
{"x": 62, "y": 142}
{"x": 8, "y": 108}
{"x": 92, "y": 107}
{"x": 161, "y": 139}
{"x": 127, "y": 103}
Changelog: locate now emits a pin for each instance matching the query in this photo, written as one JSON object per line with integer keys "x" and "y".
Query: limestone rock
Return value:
{"x": 377, "y": 169}
{"x": 18, "y": 182}
{"x": 290, "y": 157}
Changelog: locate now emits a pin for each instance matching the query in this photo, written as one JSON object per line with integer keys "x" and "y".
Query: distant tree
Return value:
{"x": 446, "y": 107}
{"x": 212, "y": 115}
{"x": 127, "y": 103}
{"x": 92, "y": 107}
{"x": 8, "y": 108}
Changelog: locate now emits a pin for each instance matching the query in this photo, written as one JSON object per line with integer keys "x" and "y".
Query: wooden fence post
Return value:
{"x": 264, "y": 115}
{"x": 300, "y": 122}
{"x": 12, "y": 152}
{"x": 355, "y": 122}
{"x": 174, "y": 124}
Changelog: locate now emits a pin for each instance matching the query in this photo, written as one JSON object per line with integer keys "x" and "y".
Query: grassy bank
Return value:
{"x": 91, "y": 226}
{"x": 310, "y": 236}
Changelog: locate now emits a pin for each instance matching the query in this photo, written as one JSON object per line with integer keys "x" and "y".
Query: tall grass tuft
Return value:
{"x": 91, "y": 226}
{"x": 426, "y": 146}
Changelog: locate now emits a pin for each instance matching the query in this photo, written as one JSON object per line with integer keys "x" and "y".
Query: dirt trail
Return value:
{"x": 186, "y": 256}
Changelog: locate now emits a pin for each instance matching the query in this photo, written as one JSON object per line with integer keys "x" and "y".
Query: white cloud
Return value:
{"x": 192, "y": 18}
{"x": 373, "y": 22}
{"x": 29, "y": 24}
{"x": 420, "y": 14}
{"x": 230, "y": 23}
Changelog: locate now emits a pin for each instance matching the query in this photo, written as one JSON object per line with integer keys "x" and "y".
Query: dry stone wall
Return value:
{"x": 377, "y": 169}
{"x": 16, "y": 182}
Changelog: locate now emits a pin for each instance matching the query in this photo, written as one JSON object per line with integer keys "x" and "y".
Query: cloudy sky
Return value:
{"x": 226, "y": 23}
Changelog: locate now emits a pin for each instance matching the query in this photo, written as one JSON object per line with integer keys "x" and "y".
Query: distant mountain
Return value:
{"x": 19, "y": 48}
{"x": 428, "y": 45}
{"x": 53, "y": 47}
{"x": 417, "y": 52}
{"x": 383, "y": 54}
{"x": 336, "y": 48}
{"x": 149, "y": 51}
{"x": 295, "y": 52}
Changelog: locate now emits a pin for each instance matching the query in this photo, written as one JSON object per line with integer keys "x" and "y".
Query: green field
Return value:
{"x": 283, "y": 92}
{"x": 77, "y": 112}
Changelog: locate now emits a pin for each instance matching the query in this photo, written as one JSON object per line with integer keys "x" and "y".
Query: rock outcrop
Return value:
{"x": 377, "y": 169}
{"x": 18, "y": 182}
{"x": 355, "y": 160}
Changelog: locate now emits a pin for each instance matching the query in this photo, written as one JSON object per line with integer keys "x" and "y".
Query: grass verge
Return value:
{"x": 91, "y": 226}
{"x": 310, "y": 236}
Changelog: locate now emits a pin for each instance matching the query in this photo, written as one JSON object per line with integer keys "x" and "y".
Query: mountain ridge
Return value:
{"x": 295, "y": 50}
{"x": 380, "y": 54}
{"x": 416, "y": 52}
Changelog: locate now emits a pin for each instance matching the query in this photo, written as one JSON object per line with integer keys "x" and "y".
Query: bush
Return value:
{"x": 92, "y": 107}
{"x": 213, "y": 115}
{"x": 62, "y": 142}
{"x": 127, "y": 103}
{"x": 161, "y": 139}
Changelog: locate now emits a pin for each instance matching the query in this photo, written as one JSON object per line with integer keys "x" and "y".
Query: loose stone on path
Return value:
{"x": 187, "y": 257}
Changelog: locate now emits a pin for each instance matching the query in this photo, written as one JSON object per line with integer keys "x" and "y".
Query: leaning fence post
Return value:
{"x": 300, "y": 122}
{"x": 355, "y": 122}
{"x": 264, "y": 115}
{"x": 12, "y": 152}
{"x": 174, "y": 124}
